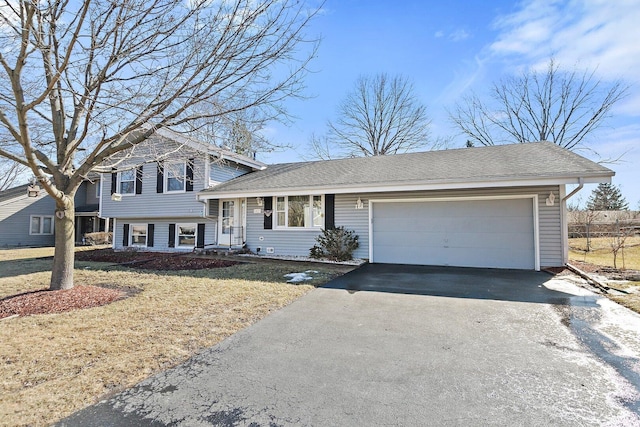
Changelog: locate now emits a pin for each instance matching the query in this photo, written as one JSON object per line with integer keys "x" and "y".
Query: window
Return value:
{"x": 127, "y": 184}
{"x": 299, "y": 211}
{"x": 98, "y": 188}
{"x": 139, "y": 235}
{"x": 41, "y": 224}
{"x": 186, "y": 235}
{"x": 175, "y": 173}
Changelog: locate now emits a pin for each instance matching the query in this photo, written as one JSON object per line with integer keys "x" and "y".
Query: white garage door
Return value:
{"x": 497, "y": 233}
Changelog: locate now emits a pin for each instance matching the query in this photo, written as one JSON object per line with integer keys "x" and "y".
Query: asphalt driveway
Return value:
{"x": 407, "y": 345}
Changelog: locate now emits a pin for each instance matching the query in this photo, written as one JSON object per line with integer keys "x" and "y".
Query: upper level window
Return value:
{"x": 98, "y": 188}
{"x": 175, "y": 176}
{"x": 127, "y": 184}
{"x": 41, "y": 224}
{"x": 299, "y": 211}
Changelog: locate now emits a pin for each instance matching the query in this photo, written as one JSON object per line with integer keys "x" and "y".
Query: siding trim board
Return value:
{"x": 533, "y": 197}
{"x": 368, "y": 190}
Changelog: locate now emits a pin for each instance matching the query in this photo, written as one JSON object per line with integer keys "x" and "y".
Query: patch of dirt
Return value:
{"x": 46, "y": 302}
{"x": 608, "y": 272}
{"x": 162, "y": 261}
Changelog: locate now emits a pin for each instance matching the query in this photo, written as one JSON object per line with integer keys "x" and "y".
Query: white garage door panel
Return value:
{"x": 479, "y": 233}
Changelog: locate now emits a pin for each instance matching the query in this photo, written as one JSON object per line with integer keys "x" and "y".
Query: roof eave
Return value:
{"x": 588, "y": 178}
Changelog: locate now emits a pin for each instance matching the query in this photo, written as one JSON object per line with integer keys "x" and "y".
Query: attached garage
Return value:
{"x": 491, "y": 233}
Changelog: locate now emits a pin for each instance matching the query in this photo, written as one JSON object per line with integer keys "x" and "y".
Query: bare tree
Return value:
{"x": 85, "y": 80}
{"x": 557, "y": 106}
{"x": 9, "y": 173}
{"x": 617, "y": 238}
{"x": 380, "y": 116}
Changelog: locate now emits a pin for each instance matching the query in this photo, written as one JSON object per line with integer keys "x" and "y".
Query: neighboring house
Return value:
{"x": 151, "y": 196}
{"x": 28, "y": 221}
{"x": 499, "y": 207}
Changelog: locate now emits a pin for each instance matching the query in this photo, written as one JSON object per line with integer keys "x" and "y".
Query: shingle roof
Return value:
{"x": 540, "y": 160}
{"x": 10, "y": 193}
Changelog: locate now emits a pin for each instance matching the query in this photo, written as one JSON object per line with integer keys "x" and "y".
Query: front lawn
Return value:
{"x": 54, "y": 364}
{"x": 600, "y": 253}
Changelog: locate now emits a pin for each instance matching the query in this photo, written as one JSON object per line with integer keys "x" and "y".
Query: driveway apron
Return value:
{"x": 405, "y": 345}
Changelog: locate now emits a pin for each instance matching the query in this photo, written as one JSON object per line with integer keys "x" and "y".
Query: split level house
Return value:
{"x": 497, "y": 207}
{"x": 26, "y": 214}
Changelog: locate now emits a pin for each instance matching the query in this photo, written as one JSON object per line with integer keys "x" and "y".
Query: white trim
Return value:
{"x": 564, "y": 228}
{"x": 41, "y": 232}
{"x": 100, "y": 198}
{"x": 146, "y": 235}
{"x": 177, "y": 235}
{"x": 400, "y": 187}
{"x": 119, "y": 182}
{"x": 165, "y": 176}
{"x": 533, "y": 197}
{"x": 286, "y": 211}
{"x": 113, "y": 236}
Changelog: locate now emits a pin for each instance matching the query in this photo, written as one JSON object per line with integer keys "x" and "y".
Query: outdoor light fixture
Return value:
{"x": 359, "y": 204}
{"x": 550, "y": 201}
{"x": 259, "y": 201}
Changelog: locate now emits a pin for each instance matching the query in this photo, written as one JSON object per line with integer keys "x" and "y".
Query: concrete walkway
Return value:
{"x": 403, "y": 345}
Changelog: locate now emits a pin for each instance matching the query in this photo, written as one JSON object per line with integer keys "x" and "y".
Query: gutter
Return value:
{"x": 575, "y": 190}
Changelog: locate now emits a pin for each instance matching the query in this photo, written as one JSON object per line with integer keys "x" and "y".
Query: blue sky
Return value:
{"x": 448, "y": 48}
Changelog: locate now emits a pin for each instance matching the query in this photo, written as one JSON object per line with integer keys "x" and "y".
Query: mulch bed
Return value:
{"x": 45, "y": 302}
{"x": 153, "y": 260}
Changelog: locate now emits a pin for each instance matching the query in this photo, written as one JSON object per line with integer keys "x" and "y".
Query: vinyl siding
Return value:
{"x": 161, "y": 232}
{"x": 298, "y": 242}
{"x": 151, "y": 204}
{"x": 15, "y": 218}
{"x": 283, "y": 241}
{"x": 225, "y": 170}
{"x": 90, "y": 193}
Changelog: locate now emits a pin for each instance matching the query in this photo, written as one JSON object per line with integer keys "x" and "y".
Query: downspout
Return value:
{"x": 575, "y": 190}
{"x": 565, "y": 226}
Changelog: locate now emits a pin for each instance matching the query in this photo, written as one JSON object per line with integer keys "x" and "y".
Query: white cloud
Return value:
{"x": 459, "y": 35}
{"x": 593, "y": 34}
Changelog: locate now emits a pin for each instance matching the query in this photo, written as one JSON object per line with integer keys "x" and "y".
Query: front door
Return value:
{"x": 230, "y": 230}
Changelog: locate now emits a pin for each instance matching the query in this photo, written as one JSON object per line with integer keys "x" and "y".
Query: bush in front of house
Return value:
{"x": 336, "y": 244}
{"x": 98, "y": 238}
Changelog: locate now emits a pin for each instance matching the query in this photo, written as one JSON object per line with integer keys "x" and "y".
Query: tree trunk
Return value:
{"x": 64, "y": 255}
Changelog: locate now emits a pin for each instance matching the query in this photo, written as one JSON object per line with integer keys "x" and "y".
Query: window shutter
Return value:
{"x": 114, "y": 181}
{"x": 189, "y": 183}
{"x": 150, "y": 229}
{"x": 125, "y": 235}
{"x": 329, "y": 211}
{"x": 200, "y": 236}
{"x": 139, "y": 180}
{"x": 159, "y": 178}
{"x": 268, "y": 219}
{"x": 172, "y": 235}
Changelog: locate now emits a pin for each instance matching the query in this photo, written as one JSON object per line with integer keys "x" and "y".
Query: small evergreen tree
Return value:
{"x": 607, "y": 197}
{"x": 336, "y": 244}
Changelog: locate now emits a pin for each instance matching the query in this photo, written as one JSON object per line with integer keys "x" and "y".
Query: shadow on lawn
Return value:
{"x": 13, "y": 268}
{"x": 180, "y": 265}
